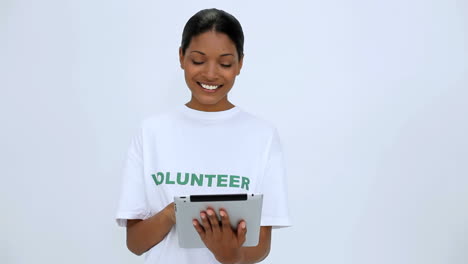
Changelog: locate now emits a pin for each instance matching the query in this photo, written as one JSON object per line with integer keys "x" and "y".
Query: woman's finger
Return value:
{"x": 241, "y": 231}
{"x": 206, "y": 224}
{"x": 213, "y": 220}
{"x": 225, "y": 221}
{"x": 199, "y": 228}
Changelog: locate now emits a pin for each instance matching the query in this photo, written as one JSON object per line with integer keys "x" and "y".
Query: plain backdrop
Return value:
{"x": 370, "y": 99}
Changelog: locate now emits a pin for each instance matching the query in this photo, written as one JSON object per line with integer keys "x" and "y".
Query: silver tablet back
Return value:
{"x": 247, "y": 207}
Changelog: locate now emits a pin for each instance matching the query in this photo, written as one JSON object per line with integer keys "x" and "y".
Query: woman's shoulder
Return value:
{"x": 258, "y": 122}
{"x": 156, "y": 120}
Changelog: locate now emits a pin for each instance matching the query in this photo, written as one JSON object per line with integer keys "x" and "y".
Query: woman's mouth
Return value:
{"x": 209, "y": 87}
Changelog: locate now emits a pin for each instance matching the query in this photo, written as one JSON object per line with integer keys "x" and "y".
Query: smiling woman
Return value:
{"x": 211, "y": 56}
{"x": 211, "y": 65}
{"x": 244, "y": 153}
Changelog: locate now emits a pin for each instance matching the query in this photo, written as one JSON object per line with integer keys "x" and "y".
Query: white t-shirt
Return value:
{"x": 187, "y": 151}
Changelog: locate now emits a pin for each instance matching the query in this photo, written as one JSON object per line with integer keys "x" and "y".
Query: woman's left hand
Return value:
{"x": 219, "y": 237}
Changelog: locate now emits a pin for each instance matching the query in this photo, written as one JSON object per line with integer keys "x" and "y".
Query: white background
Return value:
{"x": 370, "y": 99}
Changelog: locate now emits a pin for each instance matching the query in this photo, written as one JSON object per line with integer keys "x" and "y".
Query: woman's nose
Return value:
{"x": 211, "y": 71}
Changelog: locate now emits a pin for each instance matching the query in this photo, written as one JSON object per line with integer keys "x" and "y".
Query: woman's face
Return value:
{"x": 211, "y": 64}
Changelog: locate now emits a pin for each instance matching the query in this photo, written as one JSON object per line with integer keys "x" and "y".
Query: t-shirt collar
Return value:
{"x": 218, "y": 115}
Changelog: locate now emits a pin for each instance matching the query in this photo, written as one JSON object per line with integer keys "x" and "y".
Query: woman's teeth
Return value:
{"x": 209, "y": 87}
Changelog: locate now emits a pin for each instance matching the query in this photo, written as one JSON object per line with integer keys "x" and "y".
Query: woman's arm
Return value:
{"x": 259, "y": 252}
{"x": 144, "y": 234}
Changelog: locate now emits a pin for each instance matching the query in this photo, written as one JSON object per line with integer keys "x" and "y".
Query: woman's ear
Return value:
{"x": 241, "y": 61}
{"x": 181, "y": 58}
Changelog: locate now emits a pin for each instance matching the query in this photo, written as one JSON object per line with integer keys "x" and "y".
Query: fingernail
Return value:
{"x": 243, "y": 225}
{"x": 202, "y": 215}
{"x": 209, "y": 212}
{"x": 222, "y": 213}
{"x": 194, "y": 223}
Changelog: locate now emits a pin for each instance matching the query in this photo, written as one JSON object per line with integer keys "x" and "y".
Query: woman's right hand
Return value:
{"x": 142, "y": 235}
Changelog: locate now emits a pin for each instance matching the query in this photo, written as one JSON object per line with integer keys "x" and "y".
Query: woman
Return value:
{"x": 207, "y": 137}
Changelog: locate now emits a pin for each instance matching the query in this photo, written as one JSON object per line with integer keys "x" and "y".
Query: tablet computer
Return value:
{"x": 247, "y": 207}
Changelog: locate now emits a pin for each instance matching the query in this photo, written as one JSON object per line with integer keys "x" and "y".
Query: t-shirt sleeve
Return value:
{"x": 133, "y": 203}
{"x": 275, "y": 210}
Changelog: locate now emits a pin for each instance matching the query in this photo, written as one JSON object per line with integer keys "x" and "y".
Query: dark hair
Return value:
{"x": 217, "y": 20}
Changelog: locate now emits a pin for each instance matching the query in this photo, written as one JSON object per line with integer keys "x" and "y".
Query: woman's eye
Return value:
{"x": 226, "y": 65}
{"x": 197, "y": 62}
